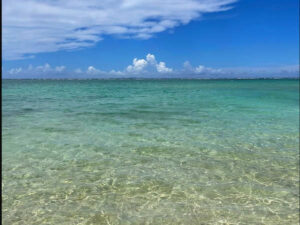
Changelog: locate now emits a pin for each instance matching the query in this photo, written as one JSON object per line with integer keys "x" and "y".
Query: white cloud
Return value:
{"x": 151, "y": 58}
{"x": 207, "y": 70}
{"x": 91, "y": 69}
{"x": 15, "y": 70}
{"x": 60, "y": 68}
{"x": 116, "y": 72}
{"x": 148, "y": 65}
{"x": 161, "y": 68}
{"x": 34, "y": 26}
{"x": 201, "y": 70}
{"x": 137, "y": 66}
{"x": 150, "y": 68}
{"x": 44, "y": 68}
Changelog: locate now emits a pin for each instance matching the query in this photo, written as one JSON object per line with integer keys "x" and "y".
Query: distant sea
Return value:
{"x": 150, "y": 152}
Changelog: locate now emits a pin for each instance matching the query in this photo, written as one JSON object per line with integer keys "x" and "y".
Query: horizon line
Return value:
{"x": 145, "y": 78}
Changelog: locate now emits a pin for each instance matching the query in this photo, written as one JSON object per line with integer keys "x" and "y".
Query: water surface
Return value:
{"x": 150, "y": 152}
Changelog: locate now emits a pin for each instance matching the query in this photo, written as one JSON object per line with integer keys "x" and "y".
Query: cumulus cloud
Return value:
{"x": 60, "y": 68}
{"x": 34, "y": 26}
{"x": 151, "y": 68}
{"x": 15, "y": 70}
{"x": 202, "y": 70}
{"x": 137, "y": 66}
{"x": 148, "y": 65}
{"x": 161, "y": 68}
{"x": 92, "y": 70}
{"x": 44, "y": 68}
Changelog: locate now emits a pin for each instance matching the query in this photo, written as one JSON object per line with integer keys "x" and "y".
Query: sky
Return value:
{"x": 150, "y": 38}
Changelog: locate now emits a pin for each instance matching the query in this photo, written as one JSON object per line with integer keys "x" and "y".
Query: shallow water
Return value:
{"x": 150, "y": 152}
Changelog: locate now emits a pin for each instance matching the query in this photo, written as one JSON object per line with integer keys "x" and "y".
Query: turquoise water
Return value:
{"x": 150, "y": 152}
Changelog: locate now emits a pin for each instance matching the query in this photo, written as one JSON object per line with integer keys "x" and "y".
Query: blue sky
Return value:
{"x": 199, "y": 38}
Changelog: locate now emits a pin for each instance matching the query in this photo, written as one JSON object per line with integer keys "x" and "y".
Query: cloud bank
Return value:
{"x": 149, "y": 67}
{"x": 34, "y": 26}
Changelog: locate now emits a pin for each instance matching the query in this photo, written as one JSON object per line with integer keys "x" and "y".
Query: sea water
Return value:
{"x": 150, "y": 152}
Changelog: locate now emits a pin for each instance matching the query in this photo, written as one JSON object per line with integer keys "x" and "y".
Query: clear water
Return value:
{"x": 150, "y": 152}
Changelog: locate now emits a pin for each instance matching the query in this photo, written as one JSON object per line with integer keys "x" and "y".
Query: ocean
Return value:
{"x": 150, "y": 152}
